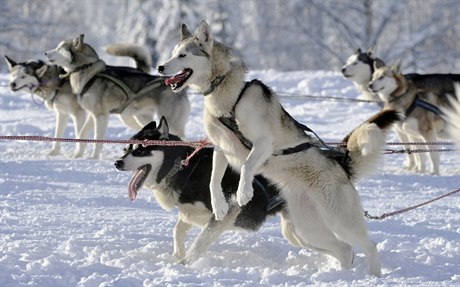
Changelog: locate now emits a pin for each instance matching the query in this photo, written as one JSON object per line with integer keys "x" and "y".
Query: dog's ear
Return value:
{"x": 163, "y": 128}
{"x": 378, "y": 63}
{"x": 370, "y": 51}
{"x": 41, "y": 71}
{"x": 358, "y": 51}
{"x": 396, "y": 66}
{"x": 78, "y": 42}
{"x": 204, "y": 35}
{"x": 150, "y": 126}
{"x": 184, "y": 32}
{"x": 10, "y": 62}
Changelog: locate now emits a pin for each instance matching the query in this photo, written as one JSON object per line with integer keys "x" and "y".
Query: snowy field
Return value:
{"x": 67, "y": 222}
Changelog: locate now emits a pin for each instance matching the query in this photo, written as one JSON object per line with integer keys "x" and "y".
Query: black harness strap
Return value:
{"x": 231, "y": 124}
{"x": 424, "y": 105}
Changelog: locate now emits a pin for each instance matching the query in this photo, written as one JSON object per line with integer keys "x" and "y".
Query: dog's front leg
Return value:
{"x": 211, "y": 231}
{"x": 61, "y": 122}
{"x": 180, "y": 234}
{"x": 261, "y": 150}
{"x": 218, "y": 202}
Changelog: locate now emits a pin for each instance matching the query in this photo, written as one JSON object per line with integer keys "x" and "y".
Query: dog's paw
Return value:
{"x": 219, "y": 208}
{"x": 244, "y": 193}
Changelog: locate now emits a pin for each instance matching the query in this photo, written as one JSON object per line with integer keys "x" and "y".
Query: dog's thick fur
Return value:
{"x": 324, "y": 206}
{"x": 399, "y": 92}
{"x": 45, "y": 81}
{"x": 187, "y": 188}
{"x": 133, "y": 94}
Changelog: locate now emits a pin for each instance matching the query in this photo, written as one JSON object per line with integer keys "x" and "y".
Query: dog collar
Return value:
{"x": 214, "y": 84}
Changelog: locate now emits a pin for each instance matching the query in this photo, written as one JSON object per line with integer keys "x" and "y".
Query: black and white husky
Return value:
{"x": 159, "y": 168}
{"x": 253, "y": 133}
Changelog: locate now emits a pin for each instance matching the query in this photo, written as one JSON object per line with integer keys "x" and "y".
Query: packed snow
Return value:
{"x": 69, "y": 222}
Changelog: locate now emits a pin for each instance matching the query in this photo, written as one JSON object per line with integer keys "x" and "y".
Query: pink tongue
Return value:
{"x": 133, "y": 183}
{"x": 175, "y": 79}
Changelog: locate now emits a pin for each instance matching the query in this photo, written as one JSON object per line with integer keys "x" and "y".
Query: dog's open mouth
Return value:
{"x": 137, "y": 180}
{"x": 179, "y": 79}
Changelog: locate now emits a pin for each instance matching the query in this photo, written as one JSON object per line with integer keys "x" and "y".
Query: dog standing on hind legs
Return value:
{"x": 103, "y": 90}
{"x": 253, "y": 133}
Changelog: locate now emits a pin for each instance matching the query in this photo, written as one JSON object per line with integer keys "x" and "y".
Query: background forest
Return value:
{"x": 269, "y": 34}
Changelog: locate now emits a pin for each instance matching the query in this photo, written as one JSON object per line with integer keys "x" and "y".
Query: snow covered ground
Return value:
{"x": 67, "y": 222}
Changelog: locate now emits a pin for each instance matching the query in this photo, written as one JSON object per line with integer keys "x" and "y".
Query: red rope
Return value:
{"x": 385, "y": 215}
{"x": 106, "y": 141}
{"x": 173, "y": 143}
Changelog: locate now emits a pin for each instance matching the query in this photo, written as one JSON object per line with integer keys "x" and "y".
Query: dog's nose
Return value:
{"x": 161, "y": 69}
{"x": 370, "y": 86}
{"x": 13, "y": 85}
{"x": 343, "y": 70}
{"x": 119, "y": 164}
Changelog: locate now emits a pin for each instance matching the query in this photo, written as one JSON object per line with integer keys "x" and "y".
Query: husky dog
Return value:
{"x": 359, "y": 69}
{"x": 187, "y": 188}
{"x": 422, "y": 109}
{"x": 253, "y": 133}
{"x": 131, "y": 93}
{"x": 361, "y": 65}
{"x": 45, "y": 81}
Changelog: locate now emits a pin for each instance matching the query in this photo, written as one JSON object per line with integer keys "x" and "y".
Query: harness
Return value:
{"x": 424, "y": 105}
{"x": 273, "y": 202}
{"x": 231, "y": 124}
{"x": 130, "y": 95}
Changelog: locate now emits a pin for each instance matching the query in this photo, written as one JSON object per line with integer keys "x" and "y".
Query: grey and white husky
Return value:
{"x": 131, "y": 93}
{"x": 46, "y": 82}
{"x": 424, "y": 119}
{"x": 360, "y": 66}
{"x": 158, "y": 167}
{"x": 254, "y": 134}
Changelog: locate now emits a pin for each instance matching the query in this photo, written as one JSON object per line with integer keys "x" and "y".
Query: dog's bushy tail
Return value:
{"x": 365, "y": 143}
{"x": 452, "y": 116}
{"x": 140, "y": 55}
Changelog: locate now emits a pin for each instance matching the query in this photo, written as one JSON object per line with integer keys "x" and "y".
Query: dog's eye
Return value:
{"x": 182, "y": 55}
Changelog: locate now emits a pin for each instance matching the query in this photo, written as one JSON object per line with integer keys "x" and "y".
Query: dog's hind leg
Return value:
{"x": 130, "y": 121}
{"x": 180, "y": 234}
{"x": 83, "y": 134}
{"x": 212, "y": 230}
{"x": 61, "y": 122}
{"x": 314, "y": 232}
{"x": 288, "y": 230}
{"x": 430, "y": 136}
{"x": 344, "y": 216}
